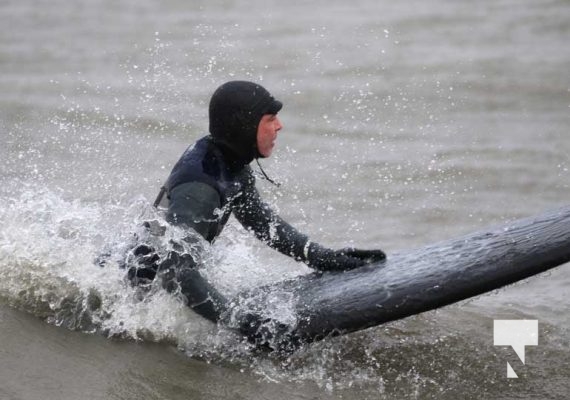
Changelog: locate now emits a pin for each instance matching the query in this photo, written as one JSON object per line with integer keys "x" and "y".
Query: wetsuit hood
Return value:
{"x": 235, "y": 110}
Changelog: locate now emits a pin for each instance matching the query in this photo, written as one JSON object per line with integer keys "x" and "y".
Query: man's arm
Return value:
{"x": 193, "y": 205}
{"x": 267, "y": 226}
{"x": 257, "y": 216}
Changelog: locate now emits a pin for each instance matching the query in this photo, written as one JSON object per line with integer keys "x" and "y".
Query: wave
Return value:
{"x": 48, "y": 246}
{"x": 47, "y": 251}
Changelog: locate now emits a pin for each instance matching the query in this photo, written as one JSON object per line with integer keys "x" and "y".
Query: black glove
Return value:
{"x": 323, "y": 259}
{"x": 143, "y": 266}
{"x": 368, "y": 256}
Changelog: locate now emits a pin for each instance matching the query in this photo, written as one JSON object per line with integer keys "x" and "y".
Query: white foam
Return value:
{"x": 48, "y": 246}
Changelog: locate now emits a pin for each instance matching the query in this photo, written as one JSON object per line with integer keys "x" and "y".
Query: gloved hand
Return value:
{"x": 368, "y": 256}
{"x": 323, "y": 259}
{"x": 143, "y": 265}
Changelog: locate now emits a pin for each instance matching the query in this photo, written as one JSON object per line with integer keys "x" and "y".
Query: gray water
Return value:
{"x": 405, "y": 123}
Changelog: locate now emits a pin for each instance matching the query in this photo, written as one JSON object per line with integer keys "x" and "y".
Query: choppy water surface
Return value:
{"x": 405, "y": 123}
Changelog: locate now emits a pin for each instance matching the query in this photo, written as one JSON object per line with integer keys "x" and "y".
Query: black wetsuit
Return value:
{"x": 203, "y": 190}
{"x": 213, "y": 179}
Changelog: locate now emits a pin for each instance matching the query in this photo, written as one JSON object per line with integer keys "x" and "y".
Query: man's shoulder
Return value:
{"x": 195, "y": 165}
{"x": 201, "y": 145}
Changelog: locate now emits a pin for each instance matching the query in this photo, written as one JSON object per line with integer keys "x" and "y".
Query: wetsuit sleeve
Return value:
{"x": 267, "y": 226}
{"x": 193, "y": 204}
{"x": 257, "y": 216}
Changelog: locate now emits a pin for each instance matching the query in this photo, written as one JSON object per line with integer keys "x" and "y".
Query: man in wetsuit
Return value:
{"x": 213, "y": 179}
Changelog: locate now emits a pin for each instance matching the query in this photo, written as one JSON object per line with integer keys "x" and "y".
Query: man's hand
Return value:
{"x": 323, "y": 259}
{"x": 368, "y": 256}
{"x": 142, "y": 265}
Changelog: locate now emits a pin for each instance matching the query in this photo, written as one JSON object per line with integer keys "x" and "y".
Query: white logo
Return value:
{"x": 517, "y": 334}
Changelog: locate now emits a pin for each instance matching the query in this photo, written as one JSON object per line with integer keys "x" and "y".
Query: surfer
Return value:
{"x": 213, "y": 179}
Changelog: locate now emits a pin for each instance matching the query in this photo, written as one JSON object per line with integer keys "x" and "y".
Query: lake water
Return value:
{"x": 405, "y": 123}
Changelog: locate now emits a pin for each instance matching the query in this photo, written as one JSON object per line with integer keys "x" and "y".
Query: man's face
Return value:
{"x": 267, "y": 133}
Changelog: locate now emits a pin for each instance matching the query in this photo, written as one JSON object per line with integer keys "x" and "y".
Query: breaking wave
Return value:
{"x": 49, "y": 246}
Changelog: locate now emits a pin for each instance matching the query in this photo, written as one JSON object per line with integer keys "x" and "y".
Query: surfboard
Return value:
{"x": 405, "y": 284}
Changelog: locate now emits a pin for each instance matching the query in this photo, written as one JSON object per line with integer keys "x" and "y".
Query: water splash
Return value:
{"x": 47, "y": 249}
